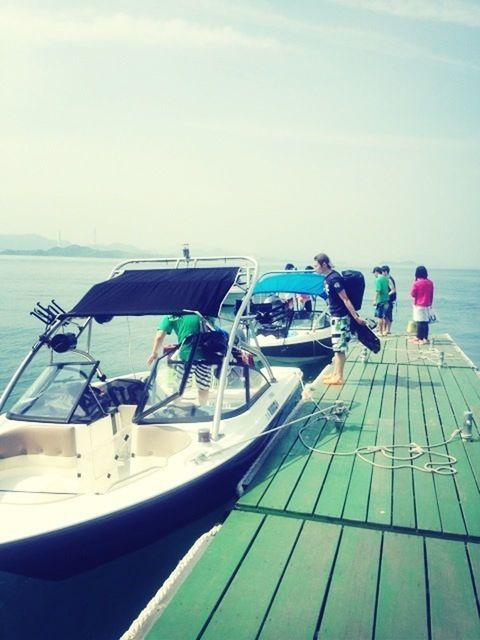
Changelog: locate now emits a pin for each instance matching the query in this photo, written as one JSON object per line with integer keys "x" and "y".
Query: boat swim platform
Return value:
{"x": 324, "y": 546}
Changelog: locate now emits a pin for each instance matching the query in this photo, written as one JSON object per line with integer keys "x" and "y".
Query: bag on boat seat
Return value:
{"x": 125, "y": 391}
{"x": 273, "y": 317}
{"x": 211, "y": 346}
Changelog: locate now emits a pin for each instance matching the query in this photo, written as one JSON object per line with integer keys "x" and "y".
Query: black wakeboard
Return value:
{"x": 366, "y": 336}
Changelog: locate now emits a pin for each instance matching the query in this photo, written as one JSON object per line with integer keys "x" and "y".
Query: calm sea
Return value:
{"x": 99, "y": 604}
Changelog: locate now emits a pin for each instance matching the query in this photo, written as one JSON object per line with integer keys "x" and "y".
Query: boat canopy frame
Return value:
{"x": 228, "y": 268}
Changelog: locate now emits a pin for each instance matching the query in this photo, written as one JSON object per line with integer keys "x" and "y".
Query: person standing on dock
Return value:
{"x": 341, "y": 308}
{"x": 392, "y": 297}
{"x": 422, "y": 294}
{"x": 381, "y": 301}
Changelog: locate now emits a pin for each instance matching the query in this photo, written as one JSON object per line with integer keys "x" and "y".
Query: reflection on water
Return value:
{"x": 101, "y": 603}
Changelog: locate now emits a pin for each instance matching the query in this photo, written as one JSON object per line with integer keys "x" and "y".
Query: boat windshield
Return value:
{"x": 61, "y": 393}
{"x": 174, "y": 390}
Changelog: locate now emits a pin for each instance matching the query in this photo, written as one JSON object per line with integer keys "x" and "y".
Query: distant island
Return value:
{"x": 76, "y": 251}
{"x": 35, "y": 245}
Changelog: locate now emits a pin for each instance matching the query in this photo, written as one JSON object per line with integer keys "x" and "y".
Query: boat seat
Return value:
{"x": 56, "y": 440}
{"x": 273, "y": 318}
{"x": 124, "y": 391}
{"x": 162, "y": 441}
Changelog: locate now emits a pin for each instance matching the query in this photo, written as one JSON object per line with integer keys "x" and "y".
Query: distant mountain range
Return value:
{"x": 36, "y": 245}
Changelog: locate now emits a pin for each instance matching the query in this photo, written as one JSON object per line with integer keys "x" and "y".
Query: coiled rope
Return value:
{"x": 444, "y": 467}
{"x": 141, "y": 625}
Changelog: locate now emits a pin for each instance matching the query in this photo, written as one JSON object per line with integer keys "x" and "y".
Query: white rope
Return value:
{"x": 415, "y": 451}
{"x": 141, "y": 625}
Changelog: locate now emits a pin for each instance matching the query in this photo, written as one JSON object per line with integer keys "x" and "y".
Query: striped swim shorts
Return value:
{"x": 340, "y": 333}
{"x": 202, "y": 372}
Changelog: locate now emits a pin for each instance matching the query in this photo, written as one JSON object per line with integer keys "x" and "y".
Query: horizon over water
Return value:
{"x": 100, "y": 603}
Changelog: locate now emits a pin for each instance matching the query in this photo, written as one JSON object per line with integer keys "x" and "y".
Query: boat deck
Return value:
{"x": 331, "y": 546}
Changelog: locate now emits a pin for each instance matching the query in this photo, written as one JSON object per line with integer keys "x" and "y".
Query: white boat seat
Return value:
{"x": 48, "y": 440}
{"x": 161, "y": 441}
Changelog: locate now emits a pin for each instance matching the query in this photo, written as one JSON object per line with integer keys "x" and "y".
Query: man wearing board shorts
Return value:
{"x": 341, "y": 310}
{"x": 184, "y": 326}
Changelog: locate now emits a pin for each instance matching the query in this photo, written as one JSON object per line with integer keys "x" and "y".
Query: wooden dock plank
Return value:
{"x": 474, "y": 557}
{"x": 453, "y": 607}
{"x": 253, "y": 586}
{"x": 190, "y": 609}
{"x": 335, "y": 488}
{"x": 451, "y": 515}
{"x": 282, "y": 485}
{"x": 274, "y": 460}
{"x": 451, "y": 406}
{"x": 350, "y": 607}
{"x": 300, "y": 484}
{"x": 389, "y": 350}
{"x": 380, "y": 503}
{"x": 469, "y": 384}
{"x": 272, "y": 576}
{"x": 426, "y": 504}
{"x": 298, "y": 601}
{"x": 403, "y": 506}
{"x": 402, "y": 595}
{"x": 356, "y": 504}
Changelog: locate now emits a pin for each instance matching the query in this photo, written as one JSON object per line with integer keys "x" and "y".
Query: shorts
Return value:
{"x": 381, "y": 309}
{"x": 340, "y": 333}
{"x": 202, "y": 372}
{"x": 389, "y": 311}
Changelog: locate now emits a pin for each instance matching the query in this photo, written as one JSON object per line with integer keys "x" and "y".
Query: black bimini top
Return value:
{"x": 142, "y": 292}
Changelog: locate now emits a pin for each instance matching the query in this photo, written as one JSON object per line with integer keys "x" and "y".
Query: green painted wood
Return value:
{"x": 473, "y": 550}
{"x": 332, "y": 498}
{"x": 402, "y": 595}
{"x": 453, "y": 606}
{"x": 242, "y": 610}
{"x": 356, "y": 504}
{"x": 451, "y": 515}
{"x": 278, "y": 493}
{"x": 306, "y": 485}
{"x": 426, "y": 504}
{"x": 389, "y": 351}
{"x": 380, "y": 503}
{"x": 350, "y": 607}
{"x": 283, "y": 484}
{"x": 451, "y": 405}
{"x": 403, "y": 507}
{"x": 298, "y": 601}
{"x": 273, "y": 462}
{"x": 469, "y": 384}
{"x": 190, "y": 608}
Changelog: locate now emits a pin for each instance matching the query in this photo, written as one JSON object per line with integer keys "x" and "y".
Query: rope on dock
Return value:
{"x": 142, "y": 624}
{"x": 445, "y": 467}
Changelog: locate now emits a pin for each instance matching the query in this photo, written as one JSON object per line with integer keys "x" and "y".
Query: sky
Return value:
{"x": 276, "y": 129}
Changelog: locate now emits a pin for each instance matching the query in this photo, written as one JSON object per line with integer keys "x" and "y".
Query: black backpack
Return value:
{"x": 354, "y": 286}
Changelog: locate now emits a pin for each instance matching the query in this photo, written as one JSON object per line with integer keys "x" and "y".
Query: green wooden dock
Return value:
{"x": 330, "y": 546}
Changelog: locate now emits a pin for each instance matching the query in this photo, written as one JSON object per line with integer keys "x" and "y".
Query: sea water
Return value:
{"x": 100, "y": 603}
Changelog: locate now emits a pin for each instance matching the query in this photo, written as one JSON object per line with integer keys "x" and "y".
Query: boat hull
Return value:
{"x": 76, "y": 548}
{"x": 298, "y": 352}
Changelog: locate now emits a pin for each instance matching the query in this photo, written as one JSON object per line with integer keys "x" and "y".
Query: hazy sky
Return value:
{"x": 270, "y": 128}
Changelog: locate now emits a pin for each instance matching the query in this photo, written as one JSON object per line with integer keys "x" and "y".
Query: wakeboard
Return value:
{"x": 366, "y": 336}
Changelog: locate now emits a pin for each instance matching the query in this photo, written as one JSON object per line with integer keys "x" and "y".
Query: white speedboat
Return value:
{"x": 90, "y": 463}
{"x": 285, "y": 333}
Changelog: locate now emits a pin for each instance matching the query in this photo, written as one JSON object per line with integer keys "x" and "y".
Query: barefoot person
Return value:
{"x": 422, "y": 298}
{"x": 381, "y": 299}
{"x": 341, "y": 309}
